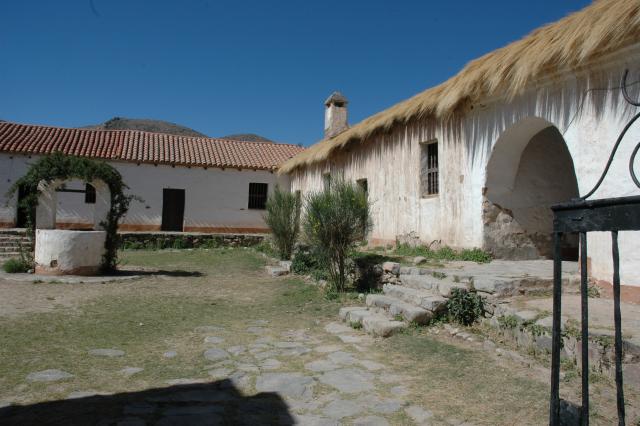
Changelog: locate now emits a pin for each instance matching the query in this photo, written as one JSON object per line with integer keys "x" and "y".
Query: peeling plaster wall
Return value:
{"x": 588, "y": 111}
{"x": 215, "y": 199}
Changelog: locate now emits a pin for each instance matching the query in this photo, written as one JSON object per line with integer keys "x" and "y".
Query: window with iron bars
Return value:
{"x": 258, "y": 195}
{"x": 429, "y": 168}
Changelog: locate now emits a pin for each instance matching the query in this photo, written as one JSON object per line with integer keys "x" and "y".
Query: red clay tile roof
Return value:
{"x": 144, "y": 147}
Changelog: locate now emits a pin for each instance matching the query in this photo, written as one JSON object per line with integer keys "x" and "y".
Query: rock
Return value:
{"x": 285, "y": 264}
{"x": 348, "y": 380}
{"x": 208, "y": 329}
{"x": 213, "y": 340}
{"x": 301, "y": 350}
{"x": 215, "y": 354}
{"x": 418, "y": 414}
{"x": 257, "y": 330}
{"x": 52, "y": 375}
{"x": 488, "y": 345}
{"x": 382, "y": 406}
{"x": 392, "y": 267}
{"x": 81, "y": 394}
{"x": 276, "y": 271}
{"x": 327, "y": 348}
{"x": 260, "y": 322}
{"x": 220, "y": 373}
{"x": 446, "y": 288}
{"x": 321, "y": 365}
{"x": 310, "y": 420}
{"x": 346, "y": 338}
{"x": 547, "y": 322}
{"x": 336, "y": 328}
{"x": 293, "y": 385}
{"x": 493, "y": 286}
{"x": 370, "y": 421}
{"x": 249, "y": 368}
{"x": 266, "y": 354}
{"x": 184, "y": 381}
{"x": 170, "y": 354}
{"x": 130, "y": 371}
{"x": 341, "y": 408}
{"x": 526, "y": 316}
{"x": 270, "y": 364}
{"x": 236, "y": 350}
{"x": 344, "y": 358}
{"x": 419, "y": 259}
{"x": 109, "y": 353}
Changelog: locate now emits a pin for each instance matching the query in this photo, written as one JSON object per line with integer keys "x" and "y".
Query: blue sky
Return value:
{"x": 224, "y": 67}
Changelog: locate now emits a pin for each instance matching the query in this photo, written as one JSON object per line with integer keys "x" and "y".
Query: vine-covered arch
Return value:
{"x": 58, "y": 166}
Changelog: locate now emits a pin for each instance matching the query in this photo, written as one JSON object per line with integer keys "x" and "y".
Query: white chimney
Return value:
{"x": 335, "y": 115}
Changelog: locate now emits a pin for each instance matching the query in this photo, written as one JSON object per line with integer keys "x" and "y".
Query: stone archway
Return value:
{"x": 529, "y": 170}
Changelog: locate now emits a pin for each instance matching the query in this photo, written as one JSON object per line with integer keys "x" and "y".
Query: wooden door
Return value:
{"x": 172, "y": 209}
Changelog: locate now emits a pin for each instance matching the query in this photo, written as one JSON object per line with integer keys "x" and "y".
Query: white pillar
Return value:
{"x": 47, "y": 205}
{"x": 103, "y": 204}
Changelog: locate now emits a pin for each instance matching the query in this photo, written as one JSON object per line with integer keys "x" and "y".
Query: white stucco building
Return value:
{"x": 187, "y": 184}
{"x": 478, "y": 160}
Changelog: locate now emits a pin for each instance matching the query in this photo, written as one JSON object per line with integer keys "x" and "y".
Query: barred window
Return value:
{"x": 258, "y": 195}
{"x": 429, "y": 168}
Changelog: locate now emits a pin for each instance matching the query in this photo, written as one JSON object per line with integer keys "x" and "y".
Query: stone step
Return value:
{"x": 425, "y": 299}
{"x": 442, "y": 286}
{"x": 372, "y": 322}
{"x": 9, "y": 254}
{"x": 395, "y": 307}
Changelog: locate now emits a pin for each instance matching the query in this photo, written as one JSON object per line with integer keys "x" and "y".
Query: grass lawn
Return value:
{"x": 228, "y": 288}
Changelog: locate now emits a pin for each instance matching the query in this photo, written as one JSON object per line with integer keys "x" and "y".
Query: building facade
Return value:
{"x": 184, "y": 184}
{"x": 478, "y": 160}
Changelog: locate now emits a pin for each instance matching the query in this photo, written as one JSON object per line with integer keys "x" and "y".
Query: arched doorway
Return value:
{"x": 530, "y": 169}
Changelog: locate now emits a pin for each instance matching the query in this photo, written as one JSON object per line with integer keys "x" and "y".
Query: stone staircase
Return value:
{"x": 10, "y": 242}
{"x": 414, "y": 298}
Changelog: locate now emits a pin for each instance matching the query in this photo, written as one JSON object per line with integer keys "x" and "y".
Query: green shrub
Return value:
{"x": 336, "y": 220}
{"x": 283, "y": 217}
{"x": 266, "y": 247}
{"x": 508, "y": 321}
{"x": 444, "y": 253}
{"x": 14, "y": 266}
{"x": 464, "y": 307}
{"x": 180, "y": 243}
{"x": 306, "y": 262}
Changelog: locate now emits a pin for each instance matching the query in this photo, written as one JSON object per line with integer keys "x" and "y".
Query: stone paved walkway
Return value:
{"x": 290, "y": 377}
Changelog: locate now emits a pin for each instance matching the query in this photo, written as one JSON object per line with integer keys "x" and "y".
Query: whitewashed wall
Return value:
{"x": 589, "y": 112}
{"x": 214, "y": 198}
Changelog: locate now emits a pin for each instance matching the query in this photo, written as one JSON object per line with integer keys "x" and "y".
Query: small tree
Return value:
{"x": 336, "y": 220}
{"x": 283, "y": 217}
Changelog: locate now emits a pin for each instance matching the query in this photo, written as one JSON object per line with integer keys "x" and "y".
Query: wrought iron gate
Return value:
{"x": 582, "y": 216}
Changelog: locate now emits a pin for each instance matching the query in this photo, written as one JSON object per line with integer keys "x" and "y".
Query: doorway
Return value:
{"x": 22, "y": 213}
{"x": 172, "y": 209}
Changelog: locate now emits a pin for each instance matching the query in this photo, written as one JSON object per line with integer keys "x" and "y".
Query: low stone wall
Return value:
{"x": 141, "y": 240}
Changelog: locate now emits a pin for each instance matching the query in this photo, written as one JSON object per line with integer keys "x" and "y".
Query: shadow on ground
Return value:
{"x": 161, "y": 272}
{"x": 212, "y": 403}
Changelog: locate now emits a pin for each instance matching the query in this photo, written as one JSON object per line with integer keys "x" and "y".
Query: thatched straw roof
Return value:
{"x": 599, "y": 29}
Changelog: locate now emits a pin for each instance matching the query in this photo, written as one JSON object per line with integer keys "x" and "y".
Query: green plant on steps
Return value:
{"x": 283, "y": 218}
{"x": 335, "y": 222}
{"x": 464, "y": 307}
{"x": 15, "y": 266}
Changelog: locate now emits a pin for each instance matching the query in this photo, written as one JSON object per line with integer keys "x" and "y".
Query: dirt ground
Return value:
{"x": 209, "y": 336}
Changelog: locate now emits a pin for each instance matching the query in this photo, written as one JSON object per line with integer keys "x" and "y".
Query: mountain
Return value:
{"x": 247, "y": 137}
{"x": 147, "y": 125}
{"x": 159, "y": 126}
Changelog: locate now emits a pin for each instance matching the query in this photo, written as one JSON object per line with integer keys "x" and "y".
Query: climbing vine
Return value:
{"x": 64, "y": 167}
